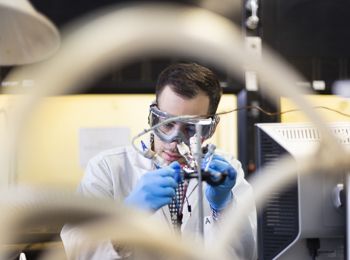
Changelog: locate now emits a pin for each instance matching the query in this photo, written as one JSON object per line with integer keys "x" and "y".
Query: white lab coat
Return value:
{"x": 114, "y": 173}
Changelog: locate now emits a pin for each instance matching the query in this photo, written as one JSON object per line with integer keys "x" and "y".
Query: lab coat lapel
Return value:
{"x": 192, "y": 198}
{"x": 163, "y": 214}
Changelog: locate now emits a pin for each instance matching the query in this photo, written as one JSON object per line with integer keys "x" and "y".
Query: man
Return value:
{"x": 123, "y": 174}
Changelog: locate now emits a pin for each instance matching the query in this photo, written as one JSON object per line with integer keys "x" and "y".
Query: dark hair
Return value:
{"x": 187, "y": 79}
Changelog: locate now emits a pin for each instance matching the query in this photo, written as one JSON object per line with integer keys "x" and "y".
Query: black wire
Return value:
{"x": 273, "y": 113}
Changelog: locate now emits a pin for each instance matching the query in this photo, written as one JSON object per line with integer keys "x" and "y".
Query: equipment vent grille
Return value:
{"x": 312, "y": 134}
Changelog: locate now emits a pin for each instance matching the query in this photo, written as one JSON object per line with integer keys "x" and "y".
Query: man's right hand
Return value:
{"x": 155, "y": 189}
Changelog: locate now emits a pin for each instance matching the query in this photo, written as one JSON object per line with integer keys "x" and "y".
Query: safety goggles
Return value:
{"x": 180, "y": 130}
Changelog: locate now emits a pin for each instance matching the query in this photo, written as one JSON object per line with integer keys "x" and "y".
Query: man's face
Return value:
{"x": 173, "y": 104}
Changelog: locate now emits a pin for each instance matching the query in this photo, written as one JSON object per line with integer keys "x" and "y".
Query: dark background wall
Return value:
{"x": 313, "y": 35}
{"x": 138, "y": 76}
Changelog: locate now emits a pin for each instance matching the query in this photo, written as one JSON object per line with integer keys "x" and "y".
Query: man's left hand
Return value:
{"x": 220, "y": 196}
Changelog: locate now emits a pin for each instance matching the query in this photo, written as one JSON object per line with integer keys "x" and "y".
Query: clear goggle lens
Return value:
{"x": 181, "y": 130}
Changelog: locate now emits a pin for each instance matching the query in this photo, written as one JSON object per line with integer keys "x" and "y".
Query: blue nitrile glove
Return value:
{"x": 155, "y": 189}
{"x": 219, "y": 196}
